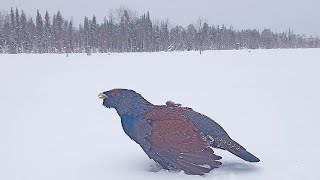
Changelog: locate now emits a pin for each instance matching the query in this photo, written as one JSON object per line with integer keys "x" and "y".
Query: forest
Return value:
{"x": 128, "y": 31}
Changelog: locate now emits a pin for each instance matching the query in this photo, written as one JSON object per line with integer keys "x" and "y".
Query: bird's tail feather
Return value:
{"x": 236, "y": 149}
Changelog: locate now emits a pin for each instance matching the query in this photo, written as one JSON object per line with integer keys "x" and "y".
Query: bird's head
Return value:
{"x": 124, "y": 100}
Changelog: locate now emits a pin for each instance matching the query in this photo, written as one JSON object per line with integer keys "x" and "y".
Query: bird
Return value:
{"x": 176, "y": 137}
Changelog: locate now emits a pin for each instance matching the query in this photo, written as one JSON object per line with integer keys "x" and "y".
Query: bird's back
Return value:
{"x": 207, "y": 126}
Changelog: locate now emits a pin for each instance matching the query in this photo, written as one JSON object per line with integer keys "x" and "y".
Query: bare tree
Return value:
{"x": 200, "y": 37}
{"x": 3, "y": 16}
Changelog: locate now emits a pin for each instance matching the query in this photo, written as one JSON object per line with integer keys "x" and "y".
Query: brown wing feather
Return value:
{"x": 179, "y": 142}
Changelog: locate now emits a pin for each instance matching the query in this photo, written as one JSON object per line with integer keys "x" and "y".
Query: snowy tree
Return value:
{"x": 86, "y": 34}
{"x": 94, "y": 32}
{"x": 40, "y": 34}
{"x": 58, "y": 32}
{"x": 69, "y": 38}
{"x": 13, "y": 36}
{"x": 17, "y": 31}
{"x": 3, "y": 17}
{"x": 31, "y": 36}
{"x": 47, "y": 34}
{"x": 25, "y": 42}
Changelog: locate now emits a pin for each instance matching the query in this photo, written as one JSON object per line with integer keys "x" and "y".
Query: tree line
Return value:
{"x": 129, "y": 32}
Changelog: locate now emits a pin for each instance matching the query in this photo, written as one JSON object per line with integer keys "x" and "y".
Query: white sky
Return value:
{"x": 303, "y": 16}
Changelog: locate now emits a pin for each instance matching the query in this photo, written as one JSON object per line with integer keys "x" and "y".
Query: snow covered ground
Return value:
{"x": 54, "y": 127}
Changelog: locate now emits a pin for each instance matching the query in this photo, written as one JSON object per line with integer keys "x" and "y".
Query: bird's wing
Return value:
{"x": 217, "y": 136}
{"x": 207, "y": 125}
{"x": 179, "y": 143}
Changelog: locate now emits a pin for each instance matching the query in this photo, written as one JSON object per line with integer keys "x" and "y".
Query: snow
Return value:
{"x": 54, "y": 127}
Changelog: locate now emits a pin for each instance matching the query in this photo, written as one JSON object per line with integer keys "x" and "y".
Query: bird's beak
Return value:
{"x": 102, "y": 96}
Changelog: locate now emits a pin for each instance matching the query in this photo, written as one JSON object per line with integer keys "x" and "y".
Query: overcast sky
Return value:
{"x": 303, "y": 16}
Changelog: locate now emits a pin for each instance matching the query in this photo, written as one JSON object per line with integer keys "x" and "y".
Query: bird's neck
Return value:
{"x": 133, "y": 112}
{"x": 134, "y": 109}
{"x": 128, "y": 123}
{"x": 129, "y": 118}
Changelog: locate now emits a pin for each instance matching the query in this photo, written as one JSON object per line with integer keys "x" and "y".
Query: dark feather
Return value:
{"x": 230, "y": 145}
